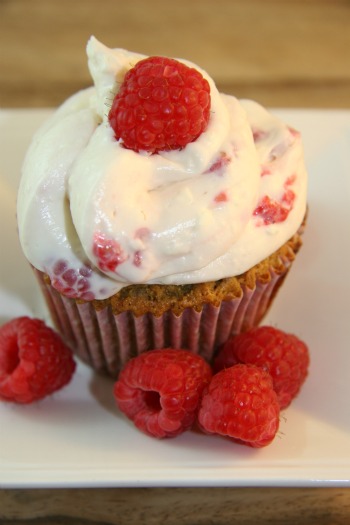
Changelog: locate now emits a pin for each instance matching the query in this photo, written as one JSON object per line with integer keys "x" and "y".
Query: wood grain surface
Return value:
{"x": 283, "y": 53}
{"x": 177, "y": 506}
{"x": 279, "y": 52}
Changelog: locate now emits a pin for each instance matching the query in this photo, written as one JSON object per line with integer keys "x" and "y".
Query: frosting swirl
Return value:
{"x": 96, "y": 216}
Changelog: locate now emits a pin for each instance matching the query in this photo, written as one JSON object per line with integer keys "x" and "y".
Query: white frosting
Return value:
{"x": 182, "y": 216}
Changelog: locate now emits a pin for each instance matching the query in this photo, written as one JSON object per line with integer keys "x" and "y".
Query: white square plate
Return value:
{"x": 77, "y": 438}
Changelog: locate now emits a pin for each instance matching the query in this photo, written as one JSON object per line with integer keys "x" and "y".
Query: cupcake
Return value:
{"x": 157, "y": 212}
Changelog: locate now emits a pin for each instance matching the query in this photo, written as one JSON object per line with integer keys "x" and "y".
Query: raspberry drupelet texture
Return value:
{"x": 240, "y": 403}
{"x": 34, "y": 361}
{"x": 160, "y": 390}
{"x": 283, "y": 355}
{"x": 71, "y": 282}
{"x": 108, "y": 253}
{"x": 161, "y": 105}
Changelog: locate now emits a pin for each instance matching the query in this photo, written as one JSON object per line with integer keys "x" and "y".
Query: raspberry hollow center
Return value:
{"x": 11, "y": 357}
{"x": 152, "y": 400}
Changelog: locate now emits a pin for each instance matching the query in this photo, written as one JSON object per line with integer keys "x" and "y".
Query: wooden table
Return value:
{"x": 282, "y": 53}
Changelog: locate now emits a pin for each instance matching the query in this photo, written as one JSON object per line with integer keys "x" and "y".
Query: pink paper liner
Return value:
{"x": 107, "y": 341}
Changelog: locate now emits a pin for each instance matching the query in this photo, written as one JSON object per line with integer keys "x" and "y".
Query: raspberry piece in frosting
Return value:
{"x": 72, "y": 282}
{"x": 161, "y": 105}
{"x": 108, "y": 253}
{"x": 272, "y": 211}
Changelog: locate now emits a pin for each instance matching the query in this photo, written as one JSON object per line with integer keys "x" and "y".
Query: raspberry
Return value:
{"x": 161, "y": 105}
{"x": 220, "y": 163}
{"x": 108, "y": 253}
{"x": 71, "y": 282}
{"x": 240, "y": 403}
{"x": 271, "y": 211}
{"x": 259, "y": 134}
{"x": 160, "y": 390}
{"x": 283, "y": 355}
{"x": 34, "y": 361}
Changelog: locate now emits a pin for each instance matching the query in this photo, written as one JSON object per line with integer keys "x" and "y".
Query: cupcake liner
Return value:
{"x": 106, "y": 341}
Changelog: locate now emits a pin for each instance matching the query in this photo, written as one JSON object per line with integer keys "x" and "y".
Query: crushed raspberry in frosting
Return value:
{"x": 109, "y": 255}
{"x": 71, "y": 282}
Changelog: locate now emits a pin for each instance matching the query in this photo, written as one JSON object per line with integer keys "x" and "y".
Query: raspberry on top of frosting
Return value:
{"x": 161, "y": 104}
{"x": 193, "y": 214}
